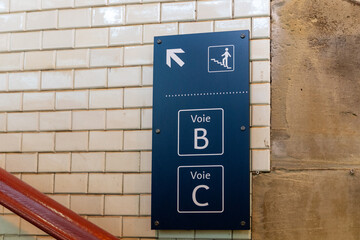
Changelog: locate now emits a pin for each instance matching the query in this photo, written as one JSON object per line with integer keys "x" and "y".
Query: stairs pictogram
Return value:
{"x": 220, "y": 63}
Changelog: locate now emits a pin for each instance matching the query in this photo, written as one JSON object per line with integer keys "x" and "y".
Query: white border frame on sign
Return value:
{"x": 201, "y": 154}
{"x": 223, "y": 192}
{"x": 222, "y": 70}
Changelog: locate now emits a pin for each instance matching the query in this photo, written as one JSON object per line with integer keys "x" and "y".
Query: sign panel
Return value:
{"x": 200, "y": 159}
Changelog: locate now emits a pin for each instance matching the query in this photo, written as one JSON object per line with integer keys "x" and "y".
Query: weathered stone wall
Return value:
{"x": 315, "y": 121}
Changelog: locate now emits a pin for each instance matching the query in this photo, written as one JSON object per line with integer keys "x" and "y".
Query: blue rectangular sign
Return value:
{"x": 200, "y": 158}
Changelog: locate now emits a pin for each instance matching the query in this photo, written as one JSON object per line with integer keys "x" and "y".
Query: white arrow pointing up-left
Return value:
{"x": 171, "y": 54}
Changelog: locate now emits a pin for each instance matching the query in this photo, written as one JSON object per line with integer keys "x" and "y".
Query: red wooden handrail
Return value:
{"x": 45, "y": 213}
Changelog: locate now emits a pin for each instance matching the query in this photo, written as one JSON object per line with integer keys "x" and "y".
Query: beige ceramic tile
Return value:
{"x": 71, "y": 141}
{"x": 138, "y": 55}
{"x": 152, "y": 30}
{"x": 122, "y": 162}
{"x": 137, "y": 227}
{"x": 260, "y": 137}
{"x": 260, "y": 71}
{"x": 108, "y": 16}
{"x": 137, "y": 183}
{"x": 54, "y": 4}
{"x": 4, "y": 6}
{"x": 38, "y": 142}
{"x": 58, "y": 39}
{"x": 22, "y": 6}
{"x": 138, "y": 97}
{"x": 233, "y": 25}
{"x": 112, "y": 98}
{"x": 123, "y": 119}
{"x": 54, "y": 162}
{"x": 260, "y": 160}
{"x": 11, "y": 61}
{"x": 137, "y": 140}
{"x": 87, "y": 204}
{"x": 2, "y": 122}
{"x": 56, "y": 80}
{"x": 39, "y": 101}
{"x": 260, "y": 93}
{"x": 95, "y": 37}
{"x": 147, "y": 76}
{"x": 10, "y": 101}
{"x": 214, "y": 9}
{"x": 81, "y": 3}
{"x": 88, "y": 120}
{"x": 71, "y": 183}
{"x": 109, "y": 140}
{"x": 145, "y": 161}
{"x": 72, "y": 58}
{"x": 122, "y": 205}
{"x": 112, "y": 225}
{"x": 39, "y": 60}
{"x": 260, "y": 115}
{"x": 12, "y": 22}
{"x": 41, "y": 182}
{"x": 92, "y": 78}
{"x": 126, "y": 76}
{"x": 145, "y": 204}
{"x": 247, "y": 8}
{"x": 198, "y": 27}
{"x": 25, "y": 41}
{"x": 41, "y": 20}
{"x": 173, "y": 12}
{"x": 72, "y": 18}
{"x": 63, "y": 199}
{"x": 88, "y": 162}
{"x": 23, "y": 121}
{"x": 126, "y": 35}
{"x": 24, "y": 81}
{"x": 260, "y": 49}
{"x": 146, "y": 118}
{"x": 3, "y": 82}
{"x": 21, "y": 162}
{"x": 72, "y": 100}
{"x": 105, "y": 183}
{"x": 4, "y": 42}
{"x": 145, "y": 13}
{"x": 54, "y": 121}
{"x": 106, "y": 57}
{"x": 261, "y": 27}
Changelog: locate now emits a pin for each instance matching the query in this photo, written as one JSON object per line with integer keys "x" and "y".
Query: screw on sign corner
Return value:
{"x": 243, "y": 223}
{"x": 242, "y": 36}
{"x": 157, "y": 131}
{"x": 159, "y": 41}
{"x": 156, "y": 223}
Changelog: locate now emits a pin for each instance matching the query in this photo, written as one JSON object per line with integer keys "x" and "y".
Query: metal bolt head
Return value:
{"x": 156, "y": 223}
{"x": 159, "y": 41}
{"x": 242, "y": 128}
{"x": 243, "y": 223}
{"x": 352, "y": 172}
{"x": 157, "y": 131}
{"x": 242, "y": 36}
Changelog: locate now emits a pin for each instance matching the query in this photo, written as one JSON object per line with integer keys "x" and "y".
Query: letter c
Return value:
{"x": 194, "y": 196}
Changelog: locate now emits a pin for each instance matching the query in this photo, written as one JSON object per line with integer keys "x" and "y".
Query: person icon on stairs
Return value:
{"x": 221, "y": 58}
{"x": 225, "y": 56}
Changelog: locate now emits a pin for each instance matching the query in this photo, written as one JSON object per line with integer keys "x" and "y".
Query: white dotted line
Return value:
{"x": 204, "y": 94}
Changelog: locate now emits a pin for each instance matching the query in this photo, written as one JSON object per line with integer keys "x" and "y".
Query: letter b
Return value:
{"x": 202, "y": 137}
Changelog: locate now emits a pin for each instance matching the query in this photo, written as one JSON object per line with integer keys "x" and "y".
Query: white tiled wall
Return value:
{"x": 76, "y": 99}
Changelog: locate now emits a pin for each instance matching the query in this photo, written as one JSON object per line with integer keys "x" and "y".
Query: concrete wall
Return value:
{"x": 310, "y": 193}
